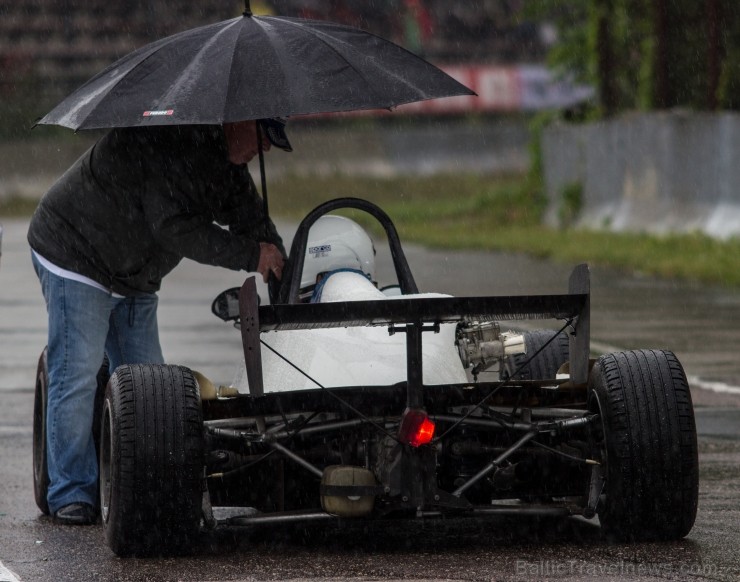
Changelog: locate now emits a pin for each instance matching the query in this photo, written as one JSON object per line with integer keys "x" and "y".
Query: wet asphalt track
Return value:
{"x": 628, "y": 312}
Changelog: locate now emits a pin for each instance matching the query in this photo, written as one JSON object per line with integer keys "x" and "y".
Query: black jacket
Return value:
{"x": 140, "y": 200}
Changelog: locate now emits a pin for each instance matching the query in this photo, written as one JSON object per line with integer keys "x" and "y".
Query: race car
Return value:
{"x": 365, "y": 403}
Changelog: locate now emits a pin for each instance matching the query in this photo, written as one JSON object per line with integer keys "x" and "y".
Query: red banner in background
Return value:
{"x": 500, "y": 89}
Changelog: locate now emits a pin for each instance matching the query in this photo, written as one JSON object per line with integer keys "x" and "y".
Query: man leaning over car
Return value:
{"x": 103, "y": 237}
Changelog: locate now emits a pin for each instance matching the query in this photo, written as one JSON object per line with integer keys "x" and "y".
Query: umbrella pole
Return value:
{"x": 263, "y": 179}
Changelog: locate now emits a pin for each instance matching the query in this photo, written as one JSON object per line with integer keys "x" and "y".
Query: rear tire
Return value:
{"x": 545, "y": 365}
{"x": 647, "y": 440}
{"x": 40, "y": 467}
{"x": 41, "y": 396}
{"x": 151, "y": 460}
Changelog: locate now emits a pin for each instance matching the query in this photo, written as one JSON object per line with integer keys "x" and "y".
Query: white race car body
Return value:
{"x": 352, "y": 356}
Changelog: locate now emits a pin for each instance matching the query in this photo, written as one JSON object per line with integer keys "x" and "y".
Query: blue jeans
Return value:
{"x": 86, "y": 323}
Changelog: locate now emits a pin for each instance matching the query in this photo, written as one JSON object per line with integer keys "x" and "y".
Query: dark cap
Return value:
{"x": 274, "y": 127}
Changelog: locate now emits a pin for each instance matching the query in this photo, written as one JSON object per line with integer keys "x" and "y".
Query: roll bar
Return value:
{"x": 290, "y": 286}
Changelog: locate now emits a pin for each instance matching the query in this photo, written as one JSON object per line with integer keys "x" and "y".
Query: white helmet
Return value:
{"x": 336, "y": 242}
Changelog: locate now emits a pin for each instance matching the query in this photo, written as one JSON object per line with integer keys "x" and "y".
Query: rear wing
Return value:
{"x": 414, "y": 314}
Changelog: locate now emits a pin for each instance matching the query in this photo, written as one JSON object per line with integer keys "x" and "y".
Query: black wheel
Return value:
{"x": 102, "y": 380}
{"x": 544, "y": 366}
{"x": 647, "y": 442}
{"x": 151, "y": 460}
{"x": 40, "y": 467}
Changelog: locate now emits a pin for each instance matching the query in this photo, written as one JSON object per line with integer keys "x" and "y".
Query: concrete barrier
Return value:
{"x": 659, "y": 172}
{"x": 383, "y": 148}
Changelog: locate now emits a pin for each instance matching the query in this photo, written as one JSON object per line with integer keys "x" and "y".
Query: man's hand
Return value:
{"x": 271, "y": 261}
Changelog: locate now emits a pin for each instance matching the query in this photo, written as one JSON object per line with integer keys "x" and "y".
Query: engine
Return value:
{"x": 482, "y": 345}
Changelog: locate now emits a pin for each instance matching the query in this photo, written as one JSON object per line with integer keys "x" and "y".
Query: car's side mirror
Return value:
{"x": 226, "y": 305}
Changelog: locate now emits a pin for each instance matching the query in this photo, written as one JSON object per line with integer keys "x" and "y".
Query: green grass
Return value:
{"x": 17, "y": 207}
{"x": 494, "y": 213}
{"x": 502, "y": 213}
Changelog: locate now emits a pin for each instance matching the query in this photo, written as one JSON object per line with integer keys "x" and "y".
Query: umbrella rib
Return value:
{"x": 231, "y": 63}
{"x": 151, "y": 53}
{"x": 105, "y": 88}
{"x": 320, "y": 36}
{"x": 193, "y": 62}
{"x": 259, "y": 22}
{"x": 403, "y": 80}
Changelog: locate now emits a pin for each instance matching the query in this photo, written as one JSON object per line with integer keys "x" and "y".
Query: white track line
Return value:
{"x": 721, "y": 387}
{"x": 6, "y": 575}
{"x": 694, "y": 381}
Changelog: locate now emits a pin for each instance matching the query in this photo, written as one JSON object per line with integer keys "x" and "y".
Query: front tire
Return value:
{"x": 151, "y": 460}
{"x": 647, "y": 440}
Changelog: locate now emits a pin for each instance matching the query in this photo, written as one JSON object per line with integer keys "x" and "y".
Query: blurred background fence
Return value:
{"x": 663, "y": 172}
{"x": 49, "y": 47}
{"x": 659, "y": 172}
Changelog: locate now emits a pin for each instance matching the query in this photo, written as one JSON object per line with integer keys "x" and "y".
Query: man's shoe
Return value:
{"x": 75, "y": 514}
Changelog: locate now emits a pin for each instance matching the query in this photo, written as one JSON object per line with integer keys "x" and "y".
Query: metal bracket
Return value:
{"x": 250, "y": 329}
{"x": 394, "y": 329}
{"x": 495, "y": 463}
{"x": 580, "y": 284}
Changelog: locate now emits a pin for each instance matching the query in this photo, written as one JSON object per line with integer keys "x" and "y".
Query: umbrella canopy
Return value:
{"x": 252, "y": 67}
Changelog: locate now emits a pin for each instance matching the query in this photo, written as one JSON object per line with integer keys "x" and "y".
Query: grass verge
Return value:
{"x": 17, "y": 207}
{"x": 504, "y": 214}
{"x": 499, "y": 213}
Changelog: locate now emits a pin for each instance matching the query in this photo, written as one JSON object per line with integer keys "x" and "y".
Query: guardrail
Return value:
{"x": 654, "y": 172}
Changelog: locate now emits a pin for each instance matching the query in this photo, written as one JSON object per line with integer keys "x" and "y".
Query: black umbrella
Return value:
{"x": 252, "y": 67}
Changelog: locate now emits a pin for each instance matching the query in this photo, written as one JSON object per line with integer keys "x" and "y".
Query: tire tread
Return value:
{"x": 652, "y": 461}
{"x": 156, "y": 504}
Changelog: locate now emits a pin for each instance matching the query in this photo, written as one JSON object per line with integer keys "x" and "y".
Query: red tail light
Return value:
{"x": 416, "y": 428}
